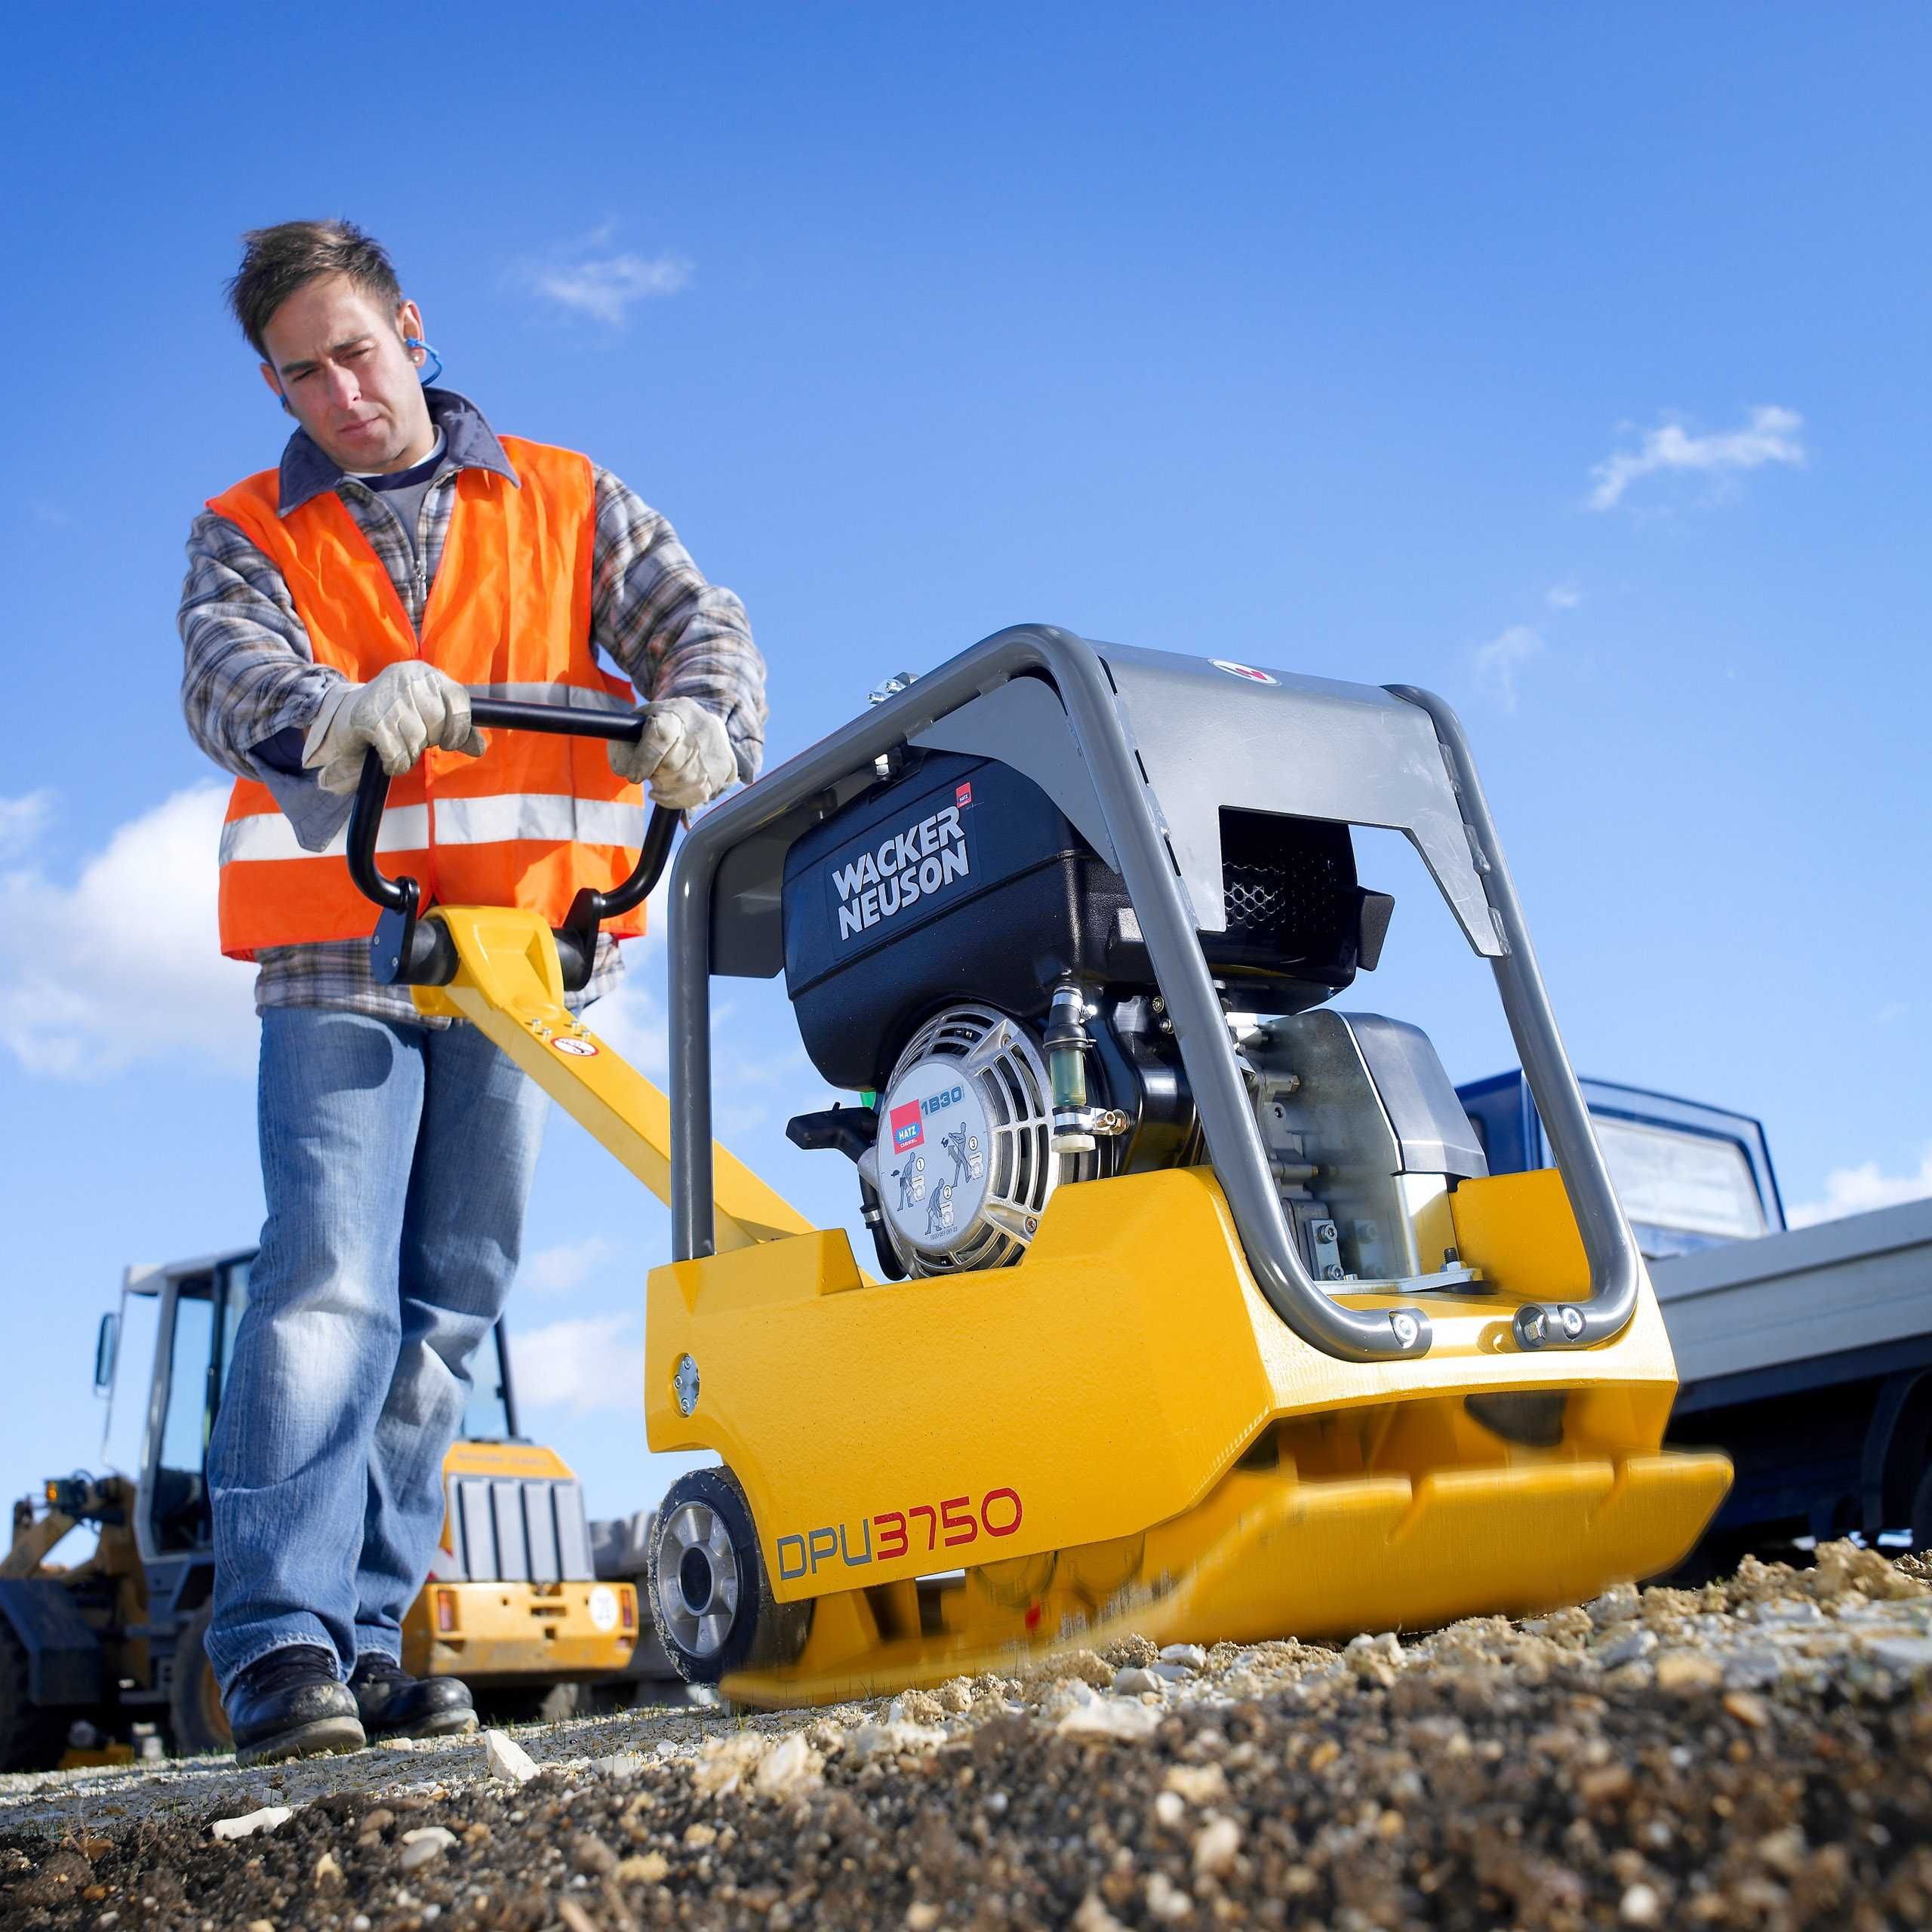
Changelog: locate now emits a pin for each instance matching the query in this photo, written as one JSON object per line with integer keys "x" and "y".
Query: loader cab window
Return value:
{"x": 233, "y": 1304}
{"x": 487, "y": 1416}
{"x": 178, "y": 1514}
{"x": 126, "y": 1425}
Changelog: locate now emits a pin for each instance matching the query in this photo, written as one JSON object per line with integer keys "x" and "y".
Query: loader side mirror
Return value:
{"x": 106, "y": 1348}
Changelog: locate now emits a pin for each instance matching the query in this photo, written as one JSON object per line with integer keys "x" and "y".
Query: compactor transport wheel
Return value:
{"x": 195, "y": 1717}
{"x": 710, "y": 1599}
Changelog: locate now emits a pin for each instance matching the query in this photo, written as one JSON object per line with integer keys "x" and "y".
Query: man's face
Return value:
{"x": 336, "y": 355}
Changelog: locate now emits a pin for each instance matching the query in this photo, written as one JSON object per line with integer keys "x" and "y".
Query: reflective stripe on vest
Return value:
{"x": 537, "y": 816}
{"x": 547, "y": 819}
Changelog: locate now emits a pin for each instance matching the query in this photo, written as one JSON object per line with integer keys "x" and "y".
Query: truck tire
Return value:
{"x": 1921, "y": 1512}
{"x": 31, "y": 1739}
{"x": 194, "y": 1716}
{"x": 710, "y": 1599}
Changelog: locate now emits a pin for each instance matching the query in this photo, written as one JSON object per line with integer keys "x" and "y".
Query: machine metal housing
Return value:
{"x": 1157, "y": 1419}
{"x": 1144, "y": 752}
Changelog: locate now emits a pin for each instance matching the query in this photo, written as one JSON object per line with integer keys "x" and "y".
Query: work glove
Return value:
{"x": 399, "y": 713}
{"x": 685, "y": 752}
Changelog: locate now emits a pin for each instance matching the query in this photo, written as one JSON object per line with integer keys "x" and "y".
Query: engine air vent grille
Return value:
{"x": 1287, "y": 883}
{"x": 995, "y": 1055}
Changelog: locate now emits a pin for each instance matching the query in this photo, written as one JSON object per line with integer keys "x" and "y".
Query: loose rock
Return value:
{"x": 1753, "y": 1669}
{"x": 1631, "y": 1642}
{"x": 424, "y": 1846}
{"x": 1617, "y": 1604}
{"x": 1198, "y": 1784}
{"x": 1641, "y": 1905}
{"x": 1906, "y": 1656}
{"x": 250, "y": 1823}
{"x": 1686, "y": 1673}
{"x": 1092, "y": 1916}
{"x": 1166, "y": 1902}
{"x": 1216, "y": 1846}
{"x": 506, "y": 1758}
{"x": 794, "y": 1767}
{"x": 1131, "y": 1723}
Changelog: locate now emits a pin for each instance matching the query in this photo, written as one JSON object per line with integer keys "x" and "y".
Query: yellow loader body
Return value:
{"x": 515, "y": 1629}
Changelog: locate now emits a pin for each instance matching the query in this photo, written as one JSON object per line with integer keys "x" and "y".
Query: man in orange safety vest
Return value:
{"x": 400, "y": 560}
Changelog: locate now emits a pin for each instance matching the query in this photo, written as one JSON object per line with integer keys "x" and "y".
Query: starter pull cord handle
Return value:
{"x": 402, "y": 952}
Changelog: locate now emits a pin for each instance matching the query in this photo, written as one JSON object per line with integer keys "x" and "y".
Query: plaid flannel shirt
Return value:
{"x": 250, "y": 678}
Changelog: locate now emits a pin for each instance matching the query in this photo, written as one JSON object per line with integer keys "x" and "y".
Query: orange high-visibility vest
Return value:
{"x": 537, "y": 815}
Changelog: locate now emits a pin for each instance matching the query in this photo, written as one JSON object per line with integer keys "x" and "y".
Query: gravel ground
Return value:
{"x": 1757, "y": 1753}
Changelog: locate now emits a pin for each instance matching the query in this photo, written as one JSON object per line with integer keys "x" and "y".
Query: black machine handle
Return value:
{"x": 406, "y": 952}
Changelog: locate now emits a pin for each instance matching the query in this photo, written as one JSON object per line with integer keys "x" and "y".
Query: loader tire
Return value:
{"x": 195, "y": 1714}
{"x": 705, "y": 1580}
{"x": 31, "y": 1739}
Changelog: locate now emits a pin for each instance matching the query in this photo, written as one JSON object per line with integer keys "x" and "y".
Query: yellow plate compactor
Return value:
{"x": 1201, "y": 1317}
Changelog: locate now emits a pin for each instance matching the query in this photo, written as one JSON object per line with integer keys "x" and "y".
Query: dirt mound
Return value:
{"x": 1756, "y": 1753}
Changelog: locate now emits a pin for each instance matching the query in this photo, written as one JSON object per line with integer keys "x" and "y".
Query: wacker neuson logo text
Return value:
{"x": 907, "y": 866}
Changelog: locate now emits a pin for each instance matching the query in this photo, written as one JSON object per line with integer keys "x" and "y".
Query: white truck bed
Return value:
{"x": 1858, "y": 1283}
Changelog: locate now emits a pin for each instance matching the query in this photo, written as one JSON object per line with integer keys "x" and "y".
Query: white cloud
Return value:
{"x": 632, "y": 1020}
{"x": 1857, "y": 1190}
{"x": 122, "y": 963}
{"x": 603, "y": 287}
{"x": 1770, "y": 435}
{"x": 1499, "y": 661}
{"x": 555, "y": 1271}
{"x": 1563, "y": 597}
{"x": 23, "y": 820}
{"x": 593, "y": 1362}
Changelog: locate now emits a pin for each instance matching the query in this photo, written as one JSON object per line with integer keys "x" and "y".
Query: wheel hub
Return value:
{"x": 698, "y": 1579}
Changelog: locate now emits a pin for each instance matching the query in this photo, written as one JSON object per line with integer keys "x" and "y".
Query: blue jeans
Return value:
{"x": 396, "y": 1160}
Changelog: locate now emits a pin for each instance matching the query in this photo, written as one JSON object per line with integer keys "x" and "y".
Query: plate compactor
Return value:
{"x": 1201, "y": 1319}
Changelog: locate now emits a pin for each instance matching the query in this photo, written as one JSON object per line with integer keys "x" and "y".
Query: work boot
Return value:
{"x": 292, "y": 1704}
{"x": 394, "y": 1704}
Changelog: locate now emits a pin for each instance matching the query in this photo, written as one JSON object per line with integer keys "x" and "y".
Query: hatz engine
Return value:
{"x": 954, "y": 944}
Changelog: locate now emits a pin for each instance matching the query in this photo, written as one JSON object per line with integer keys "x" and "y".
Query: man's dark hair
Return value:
{"x": 275, "y": 262}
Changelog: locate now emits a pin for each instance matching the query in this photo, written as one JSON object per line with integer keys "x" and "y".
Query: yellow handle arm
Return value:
{"x": 510, "y": 987}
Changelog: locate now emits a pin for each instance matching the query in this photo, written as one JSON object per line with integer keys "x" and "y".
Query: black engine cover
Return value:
{"x": 960, "y": 880}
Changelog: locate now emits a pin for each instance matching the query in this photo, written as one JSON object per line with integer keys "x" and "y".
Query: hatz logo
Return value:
{"x": 908, "y": 1128}
{"x": 907, "y": 866}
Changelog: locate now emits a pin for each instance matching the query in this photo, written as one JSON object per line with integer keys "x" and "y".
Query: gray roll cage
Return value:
{"x": 1141, "y": 749}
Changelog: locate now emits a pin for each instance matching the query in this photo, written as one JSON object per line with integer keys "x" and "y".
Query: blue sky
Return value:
{"x": 1570, "y": 362}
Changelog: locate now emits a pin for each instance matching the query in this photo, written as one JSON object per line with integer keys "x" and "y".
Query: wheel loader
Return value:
{"x": 511, "y": 1606}
{"x": 1196, "y": 1312}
